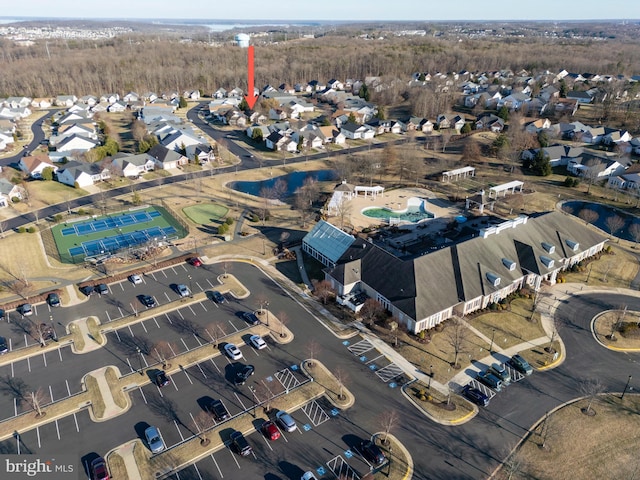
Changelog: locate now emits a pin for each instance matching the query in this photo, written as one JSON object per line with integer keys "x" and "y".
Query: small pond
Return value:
{"x": 604, "y": 212}
{"x": 292, "y": 182}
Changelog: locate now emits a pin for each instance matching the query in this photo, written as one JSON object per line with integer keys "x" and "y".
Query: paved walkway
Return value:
{"x": 126, "y": 452}
{"x": 303, "y": 271}
{"x": 110, "y": 408}
{"x": 90, "y": 344}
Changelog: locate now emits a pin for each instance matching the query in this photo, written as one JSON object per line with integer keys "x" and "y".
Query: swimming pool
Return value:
{"x": 414, "y": 213}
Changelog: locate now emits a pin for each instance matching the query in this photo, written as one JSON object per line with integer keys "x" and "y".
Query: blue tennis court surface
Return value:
{"x": 116, "y": 242}
{"x": 93, "y": 226}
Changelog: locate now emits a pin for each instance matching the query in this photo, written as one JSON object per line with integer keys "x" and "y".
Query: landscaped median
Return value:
{"x": 446, "y": 410}
{"x": 211, "y": 440}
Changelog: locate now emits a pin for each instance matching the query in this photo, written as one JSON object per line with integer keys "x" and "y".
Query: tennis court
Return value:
{"x": 116, "y": 232}
{"x": 109, "y": 223}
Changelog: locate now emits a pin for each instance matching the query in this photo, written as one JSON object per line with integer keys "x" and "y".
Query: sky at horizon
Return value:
{"x": 327, "y": 10}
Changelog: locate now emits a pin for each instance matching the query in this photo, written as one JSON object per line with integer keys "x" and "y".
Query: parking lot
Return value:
{"x": 387, "y": 371}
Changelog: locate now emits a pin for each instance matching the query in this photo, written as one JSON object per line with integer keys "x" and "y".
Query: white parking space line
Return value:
{"x": 189, "y": 306}
{"x": 44, "y": 359}
{"x": 159, "y": 391}
{"x": 38, "y": 434}
{"x": 180, "y": 313}
{"x": 60, "y": 353}
{"x": 76, "y": 420}
{"x": 217, "y": 466}
{"x": 183, "y": 267}
{"x": 57, "y": 429}
{"x": 15, "y": 407}
{"x": 195, "y": 465}
{"x": 121, "y": 284}
{"x": 197, "y": 339}
{"x": 26, "y": 342}
{"x": 374, "y": 359}
{"x": 214, "y": 364}
{"x": 203, "y": 307}
{"x": 167, "y": 295}
{"x": 121, "y": 314}
{"x": 201, "y": 371}
{"x": 233, "y": 326}
{"x": 108, "y": 316}
{"x": 188, "y": 377}
{"x": 165, "y": 275}
{"x": 68, "y": 389}
{"x": 185, "y": 345}
{"x": 267, "y": 442}
{"x": 143, "y": 326}
{"x": 29, "y": 363}
{"x": 210, "y": 284}
{"x": 178, "y": 428}
{"x": 243, "y": 407}
{"x": 174, "y": 385}
{"x": 168, "y": 319}
{"x": 171, "y": 348}
{"x": 117, "y": 335}
{"x": 145, "y": 361}
{"x": 35, "y": 309}
{"x": 143, "y": 397}
{"x": 18, "y": 442}
{"x": 10, "y": 349}
{"x": 51, "y": 393}
{"x": 130, "y": 365}
{"x": 174, "y": 271}
{"x": 156, "y": 322}
{"x": 234, "y": 457}
{"x": 130, "y": 331}
{"x": 201, "y": 289}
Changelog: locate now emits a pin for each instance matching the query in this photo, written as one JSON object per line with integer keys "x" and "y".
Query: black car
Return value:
{"x": 161, "y": 379}
{"x": 3, "y": 345}
{"x": 476, "y": 396}
{"x": 217, "y": 297}
{"x": 53, "y": 300}
{"x": 217, "y": 409}
{"x": 243, "y": 374}
{"x": 251, "y": 318}
{"x": 87, "y": 290}
{"x": 102, "y": 288}
{"x": 372, "y": 453}
{"x": 240, "y": 444}
{"x": 2, "y": 314}
{"x": 148, "y": 301}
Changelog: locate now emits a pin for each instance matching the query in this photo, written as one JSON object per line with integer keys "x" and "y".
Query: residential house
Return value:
{"x": 354, "y": 131}
{"x": 34, "y": 165}
{"x": 236, "y": 118}
{"x": 76, "y": 143}
{"x": 257, "y": 117}
{"x": 278, "y": 142}
{"x": 236, "y": 93}
{"x": 263, "y": 129}
{"x": 579, "y": 97}
{"x": 489, "y": 121}
{"x": 177, "y": 140}
{"x": 537, "y": 125}
{"x": 558, "y": 155}
{"x": 596, "y": 167}
{"x": 592, "y": 135}
{"x": 332, "y": 135}
{"x": 277, "y": 114}
{"x": 41, "y": 103}
{"x": 634, "y": 143}
{"x": 65, "y": 100}
{"x": 15, "y": 113}
{"x": 459, "y": 279}
{"x": 201, "y": 154}
{"x": 131, "y": 97}
{"x": 514, "y": 101}
{"x": 335, "y": 84}
{"x": 7, "y": 126}
{"x": 82, "y": 174}
{"x": 132, "y": 166}
{"x": 17, "y": 102}
{"x": 615, "y": 136}
{"x": 286, "y": 88}
{"x": 117, "y": 107}
{"x": 626, "y": 181}
{"x": 166, "y": 159}
{"x": 192, "y": 95}
{"x": 301, "y": 88}
{"x": 86, "y": 129}
{"x": 9, "y": 191}
{"x": 448, "y": 120}
{"x": 219, "y": 93}
{"x": 109, "y": 98}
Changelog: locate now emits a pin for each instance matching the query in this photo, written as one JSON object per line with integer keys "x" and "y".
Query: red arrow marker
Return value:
{"x": 250, "y": 98}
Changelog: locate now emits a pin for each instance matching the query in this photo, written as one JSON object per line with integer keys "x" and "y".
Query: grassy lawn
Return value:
{"x": 614, "y": 270}
{"x": 436, "y": 406}
{"x": 205, "y": 213}
{"x": 605, "y": 322}
{"x": 576, "y": 445}
{"x": 50, "y": 193}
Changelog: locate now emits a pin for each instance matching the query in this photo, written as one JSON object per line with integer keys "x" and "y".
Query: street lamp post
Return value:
{"x": 493, "y": 334}
{"x": 53, "y": 329}
{"x": 140, "y": 358}
{"x": 253, "y": 392}
{"x": 190, "y": 286}
{"x": 430, "y": 376}
{"x": 626, "y": 387}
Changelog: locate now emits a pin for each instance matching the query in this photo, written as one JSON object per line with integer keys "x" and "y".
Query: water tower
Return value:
{"x": 242, "y": 39}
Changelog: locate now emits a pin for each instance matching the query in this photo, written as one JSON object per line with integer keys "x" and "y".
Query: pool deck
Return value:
{"x": 397, "y": 200}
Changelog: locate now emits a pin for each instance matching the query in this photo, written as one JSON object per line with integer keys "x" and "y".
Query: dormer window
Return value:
{"x": 510, "y": 264}
{"x": 548, "y": 262}
{"x": 575, "y": 246}
{"x": 549, "y": 248}
{"x": 493, "y": 279}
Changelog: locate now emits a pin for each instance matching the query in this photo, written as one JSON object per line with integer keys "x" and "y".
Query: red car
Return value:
{"x": 195, "y": 261}
{"x": 270, "y": 430}
{"x": 99, "y": 469}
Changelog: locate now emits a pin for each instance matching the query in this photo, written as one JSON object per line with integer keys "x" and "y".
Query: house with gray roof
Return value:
{"x": 166, "y": 159}
{"x": 82, "y": 174}
{"x": 460, "y": 279}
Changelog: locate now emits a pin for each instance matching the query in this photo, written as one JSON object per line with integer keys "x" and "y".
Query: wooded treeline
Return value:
{"x": 151, "y": 63}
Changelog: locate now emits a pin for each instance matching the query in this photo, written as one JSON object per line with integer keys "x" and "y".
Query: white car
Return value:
{"x": 257, "y": 342}
{"x": 183, "y": 290}
{"x": 135, "y": 279}
{"x": 309, "y": 476}
{"x": 232, "y": 351}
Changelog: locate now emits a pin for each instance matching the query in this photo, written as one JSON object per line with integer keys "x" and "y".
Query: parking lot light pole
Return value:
{"x": 53, "y": 329}
{"x": 190, "y": 286}
{"x": 140, "y": 358}
{"x": 626, "y": 387}
{"x": 430, "y": 376}
{"x": 493, "y": 334}
{"x": 253, "y": 393}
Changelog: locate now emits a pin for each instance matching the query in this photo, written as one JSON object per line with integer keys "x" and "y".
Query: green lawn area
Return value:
{"x": 205, "y": 213}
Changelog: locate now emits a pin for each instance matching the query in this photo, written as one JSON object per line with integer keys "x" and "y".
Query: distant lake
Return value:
{"x": 293, "y": 181}
{"x": 604, "y": 212}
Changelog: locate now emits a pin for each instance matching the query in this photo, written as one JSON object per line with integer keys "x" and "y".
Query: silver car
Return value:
{"x": 154, "y": 439}
{"x": 286, "y": 421}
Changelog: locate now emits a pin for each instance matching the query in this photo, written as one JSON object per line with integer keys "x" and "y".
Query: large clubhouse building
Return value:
{"x": 457, "y": 280}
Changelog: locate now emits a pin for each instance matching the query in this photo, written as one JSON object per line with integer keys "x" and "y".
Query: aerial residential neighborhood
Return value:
{"x": 319, "y": 250}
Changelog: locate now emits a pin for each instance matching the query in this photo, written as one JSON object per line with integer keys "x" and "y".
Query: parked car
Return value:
{"x": 308, "y": 476}
{"x": 501, "y": 371}
{"x": 195, "y": 261}
{"x": 53, "y": 299}
{"x": 232, "y": 351}
{"x": 243, "y": 374}
{"x": 182, "y": 290}
{"x": 135, "y": 279}
{"x": 161, "y": 379}
{"x": 258, "y": 342}
{"x": 286, "y": 421}
{"x": 3, "y": 345}
{"x": 270, "y": 430}
{"x": 2, "y": 314}
{"x": 490, "y": 380}
{"x": 102, "y": 288}
{"x": 251, "y": 318}
{"x": 372, "y": 452}
{"x": 87, "y": 290}
{"x": 25, "y": 309}
{"x": 240, "y": 444}
{"x": 218, "y": 297}
{"x": 521, "y": 365}
{"x": 148, "y": 301}
{"x": 217, "y": 409}
{"x": 99, "y": 469}
{"x": 476, "y": 396}
{"x": 154, "y": 439}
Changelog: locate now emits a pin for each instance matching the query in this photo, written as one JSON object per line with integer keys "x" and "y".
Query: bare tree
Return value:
{"x": 163, "y": 351}
{"x": 201, "y": 423}
{"x": 617, "y": 322}
{"x": 371, "y": 311}
{"x": 41, "y": 332}
{"x": 283, "y": 318}
{"x": 592, "y": 172}
{"x": 342, "y": 376}
{"x": 388, "y": 420}
{"x": 588, "y": 215}
{"x": 323, "y": 290}
{"x": 305, "y": 196}
{"x": 215, "y": 332}
{"x": 614, "y": 223}
{"x": 343, "y": 210}
{"x": 513, "y": 464}
{"x": 591, "y": 389}
{"x": 313, "y": 348}
{"x": 36, "y": 400}
{"x": 457, "y": 336}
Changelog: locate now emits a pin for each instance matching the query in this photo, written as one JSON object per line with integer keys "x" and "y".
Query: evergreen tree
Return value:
{"x": 182, "y": 103}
